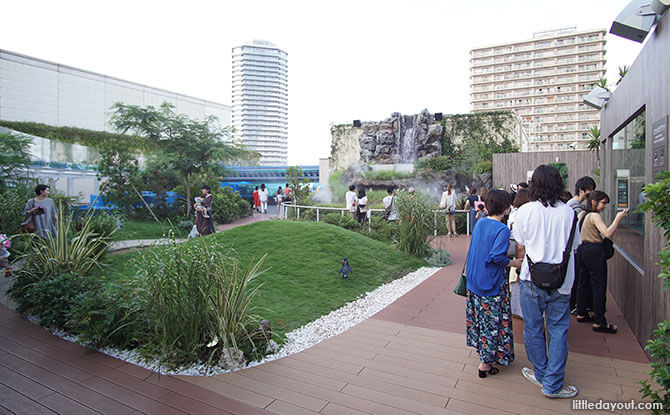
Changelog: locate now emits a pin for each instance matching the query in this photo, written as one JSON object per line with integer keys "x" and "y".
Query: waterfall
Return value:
{"x": 407, "y": 150}
{"x": 407, "y": 134}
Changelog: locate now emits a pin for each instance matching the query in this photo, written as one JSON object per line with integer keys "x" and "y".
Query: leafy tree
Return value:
{"x": 481, "y": 135}
{"x": 184, "y": 145}
{"x": 119, "y": 168}
{"x": 14, "y": 157}
{"x": 298, "y": 184}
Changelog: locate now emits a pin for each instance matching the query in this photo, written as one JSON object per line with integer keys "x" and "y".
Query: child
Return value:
{"x": 346, "y": 269}
{"x": 481, "y": 210}
{"x": 200, "y": 208}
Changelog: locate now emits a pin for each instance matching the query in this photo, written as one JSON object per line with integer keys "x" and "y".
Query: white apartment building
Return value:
{"x": 260, "y": 100}
{"x": 544, "y": 80}
{"x": 36, "y": 90}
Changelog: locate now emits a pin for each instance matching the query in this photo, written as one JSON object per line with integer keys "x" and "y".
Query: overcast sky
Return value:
{"x": 347, "y": 59}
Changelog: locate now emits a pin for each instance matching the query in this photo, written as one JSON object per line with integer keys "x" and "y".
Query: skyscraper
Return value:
{"x": 260, "y": 100}
{"x": 544, "y": 80}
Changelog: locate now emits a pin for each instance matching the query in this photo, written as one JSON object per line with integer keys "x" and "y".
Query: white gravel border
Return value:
{"x": 325, "y": 327}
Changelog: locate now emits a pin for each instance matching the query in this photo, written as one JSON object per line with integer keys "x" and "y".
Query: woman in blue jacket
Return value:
{"x": 488, "y": 316}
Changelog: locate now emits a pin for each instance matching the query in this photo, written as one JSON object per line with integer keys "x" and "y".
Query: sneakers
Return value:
{"x": 529, "y": 374}
{"x": 566, "y": 392}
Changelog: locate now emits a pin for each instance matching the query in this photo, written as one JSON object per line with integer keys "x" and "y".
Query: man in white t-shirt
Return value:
{"x": 351, "y": 201}
{"x": 542, "y": 230}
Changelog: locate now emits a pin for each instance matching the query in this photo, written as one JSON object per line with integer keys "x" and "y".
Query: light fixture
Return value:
{"x": 597, "y": 97}
{"x": 637, "y": 19}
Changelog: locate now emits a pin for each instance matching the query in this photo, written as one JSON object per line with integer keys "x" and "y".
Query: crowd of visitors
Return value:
{"x": 551, "y": 258}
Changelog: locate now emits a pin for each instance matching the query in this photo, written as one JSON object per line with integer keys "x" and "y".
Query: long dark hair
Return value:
{"x": 546, "y": 185}
{"x": 595, "y": 196}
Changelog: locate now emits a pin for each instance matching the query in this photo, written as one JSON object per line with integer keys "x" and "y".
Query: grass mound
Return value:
{"x": 303, "y": 259}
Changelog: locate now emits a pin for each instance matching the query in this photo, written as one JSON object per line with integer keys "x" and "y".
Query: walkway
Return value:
{"x": 410, "y": 358}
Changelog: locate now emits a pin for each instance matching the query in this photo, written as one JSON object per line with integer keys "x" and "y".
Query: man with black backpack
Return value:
{"x": 545, "y": 231}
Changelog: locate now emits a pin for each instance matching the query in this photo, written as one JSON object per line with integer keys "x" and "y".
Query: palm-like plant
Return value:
{"x": 594, "y": 145}
{"x": 622, "y": 72}
{"x": 603, "y": 83}
{"x": 66, "y": 252}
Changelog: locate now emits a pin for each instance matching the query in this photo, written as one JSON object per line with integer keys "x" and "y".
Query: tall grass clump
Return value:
{"x": 414, "y": 224}
{"x": 386, "y": 175}
{"x": 69, "y": 250}
{"x": 199, "y": 300}
{"x": 56, "y": 271}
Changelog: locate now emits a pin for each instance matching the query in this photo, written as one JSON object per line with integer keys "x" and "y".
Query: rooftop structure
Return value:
{"x": 37, "y": 90}
{"x": 544, "y": 80}
{"x": 260, "y": 100}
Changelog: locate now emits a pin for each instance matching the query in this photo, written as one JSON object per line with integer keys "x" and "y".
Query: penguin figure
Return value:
{"x": 346, "y": 269}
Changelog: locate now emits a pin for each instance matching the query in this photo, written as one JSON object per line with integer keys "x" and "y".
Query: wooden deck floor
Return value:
{"x": 410, "y": 358}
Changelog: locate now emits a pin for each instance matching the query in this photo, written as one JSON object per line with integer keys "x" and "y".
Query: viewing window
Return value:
{"x": 628, "y": 178}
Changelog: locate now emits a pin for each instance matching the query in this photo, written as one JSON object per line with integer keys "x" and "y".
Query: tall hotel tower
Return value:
{"x": 260, "y": 100}
{"x": 544, "y": 80}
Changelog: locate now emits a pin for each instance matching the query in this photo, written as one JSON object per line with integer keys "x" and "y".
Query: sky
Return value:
{"x": 347, "y": 59}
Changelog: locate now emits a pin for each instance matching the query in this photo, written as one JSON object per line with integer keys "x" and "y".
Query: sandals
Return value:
{"x": 606, "y": 329}
{"x": 584, "y": 319}
{"x": 492, "y": 371}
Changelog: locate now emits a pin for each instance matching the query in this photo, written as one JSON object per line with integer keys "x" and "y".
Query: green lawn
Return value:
{"x": 301, "y": 282}
{"x": 145, "y": 230}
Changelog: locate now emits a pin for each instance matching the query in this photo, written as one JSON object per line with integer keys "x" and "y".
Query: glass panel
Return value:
{"x": 628, "y": 168}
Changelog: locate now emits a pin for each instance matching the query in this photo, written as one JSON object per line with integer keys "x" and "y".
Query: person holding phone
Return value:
{"x": 42, "y": 211}
{"x": 592, "y": 260}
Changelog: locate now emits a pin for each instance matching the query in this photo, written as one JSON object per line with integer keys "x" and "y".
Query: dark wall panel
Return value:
{"x": 641, "y": 297}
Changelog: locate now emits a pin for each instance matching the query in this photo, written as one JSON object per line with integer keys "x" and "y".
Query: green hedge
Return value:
{"x": 76, "y": 135}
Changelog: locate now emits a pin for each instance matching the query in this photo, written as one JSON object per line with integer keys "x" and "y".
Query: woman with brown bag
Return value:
{"x": 41, "y": 212}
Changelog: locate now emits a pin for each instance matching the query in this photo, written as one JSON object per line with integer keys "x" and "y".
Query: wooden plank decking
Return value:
{"x": 410, "y": 358}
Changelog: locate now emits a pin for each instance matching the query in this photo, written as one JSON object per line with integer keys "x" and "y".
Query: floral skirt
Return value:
{"x": 488, "y": 323}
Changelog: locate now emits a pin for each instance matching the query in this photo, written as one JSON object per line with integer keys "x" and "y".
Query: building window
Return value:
{"x": 628, "y": 178}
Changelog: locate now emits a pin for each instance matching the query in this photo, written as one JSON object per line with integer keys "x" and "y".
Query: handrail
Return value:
{"x": 283, "y": 213}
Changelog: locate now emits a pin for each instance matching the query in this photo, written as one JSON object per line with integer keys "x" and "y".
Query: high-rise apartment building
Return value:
{"x": 544, "y": 80}
{"x": 260, "y": 100}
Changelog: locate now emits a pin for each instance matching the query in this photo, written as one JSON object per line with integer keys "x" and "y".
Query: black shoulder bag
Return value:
{"x": 551, "y": 276}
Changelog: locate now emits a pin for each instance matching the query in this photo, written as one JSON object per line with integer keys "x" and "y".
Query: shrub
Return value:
{"x": 439, "y": 258}
{"x": 110, "y": 316}
{"x": 658, "y": 201}
{"x": 437, "y": 163}
{"x": 12, "y": 202}
{"x": 103, "y": 224}
{"x": 228, "y": 206}
{"x": 51, "y": 297}
{"x": 415, "y": 223}
{"x": 378, "y": 229}
{"x": 386, "y": 175}
{"x": 344, "y": 221}
{"x": 198, "y": 299}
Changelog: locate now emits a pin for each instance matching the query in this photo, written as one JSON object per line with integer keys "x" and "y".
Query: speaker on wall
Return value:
{"x": 357, "y": 123}
{"x": 438, "y": 116}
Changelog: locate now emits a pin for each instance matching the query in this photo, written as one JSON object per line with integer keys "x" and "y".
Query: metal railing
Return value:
{"x": 284, "y": 213}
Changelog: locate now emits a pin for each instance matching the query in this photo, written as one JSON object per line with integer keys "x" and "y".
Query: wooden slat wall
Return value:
{"x": 513, "y": 167}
